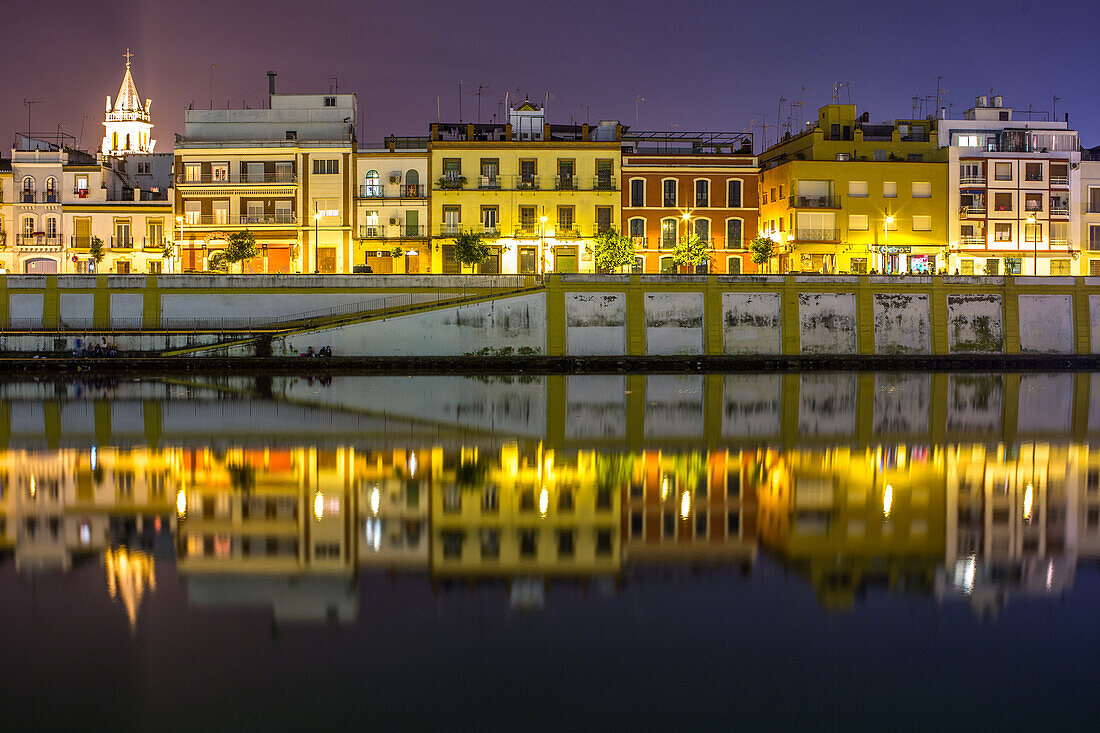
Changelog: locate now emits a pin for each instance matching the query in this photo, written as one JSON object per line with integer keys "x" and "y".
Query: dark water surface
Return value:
{"x": 814, "y": 551}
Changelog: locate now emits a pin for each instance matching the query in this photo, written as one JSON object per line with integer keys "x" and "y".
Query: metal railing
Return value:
{"x": 122, "y": 243}
{"x": 38, "y": 240}
{"x": 1058, "y": 208}
{"x": 404, "y": 191}
{"x": 972, "y": 180}
{"x": 489, "y": 183}
{"x": 392, "y": 231}
{"x": 971, "y": 209}
{"x": 816, "y": 235}
{"x": 1059, "y": 180}
{"x": 230, "y": 178}
{"x": 972, "y": 241}
{"x": 1059, "y": 241}
{"x": 279, "y": 217}
{"x": 208, "y": 220}
{"x": 814, "y": 202}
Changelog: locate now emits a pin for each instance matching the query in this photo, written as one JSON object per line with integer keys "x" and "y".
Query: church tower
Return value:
{"x": 127, "y": 123}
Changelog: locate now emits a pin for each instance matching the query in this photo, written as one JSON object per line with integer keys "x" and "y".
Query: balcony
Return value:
{"x": 81, "y": 193}
{"x": 449, "y": 230}
{"x": 489, "y": 183}
{"x": 1059, "y": 241}
{"x": 378, "y": 191}
{"x": 51, "y": 197}
{"x": 816, "y": 235}
{"x": 451, "y": 182}
{"x": 392, "y": 231}
{"x": 37, "y": 240}
{"x": 527, "y": 183}
{"x": 1059, "y": 180}
{"x": 971, "y": 241}
{"x": 26, "y": 197}
{"x": 370, "y": 191}
{"x": 1059, "y": 207}
{"x": 967, "y": 179}
{"x": 605, "y": 183}
{"x": 121, "y": 243}
{"x": 206, "y": 179}
{"x": 814, "y": 202}
{"x": 222, "y": 220}
{"x": 566, "y": 183}
{"x": 279, "y": 217}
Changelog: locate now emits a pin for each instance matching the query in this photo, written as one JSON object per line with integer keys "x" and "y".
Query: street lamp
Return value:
{"x": 1035, "y": 244}
{"x": 687, "y": 224}
{"x": 886, "y": 238}
{"x": 542, "y": 244}
{"x": 179, "y": 252}
{"x": 316, "y": 226}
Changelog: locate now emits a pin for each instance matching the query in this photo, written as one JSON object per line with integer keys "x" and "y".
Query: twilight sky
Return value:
{"x": 699, "y": 64}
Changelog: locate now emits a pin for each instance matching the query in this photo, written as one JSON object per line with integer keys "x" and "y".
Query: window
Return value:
{"x": 565, "y": 175}
{"x": 857, "y": 188}
{"x": 1002, "y": 232}
{"x": 192, "y": 172}
{"x": 859, "y": 265}
{"x": 154, "y": 233}
{"x": 890, "y": 189}
{"x": 857, "y": 222}
{"x": 1033, "y": 233}
{"x": 922, "y": 190}
{"x": 219, "y": 172}
{"x": 733, "y": 265}
{"x": 966, "y": 267}
{"x": 527, "y": 171}
{"x": 1059, "y": 267}
{"x": 668, "y": 188}
{"x": 566, "y": 543}
{"x": 1094, "y": 238}
{"x": 734, "y": 233}
{"x": 702, "y": 193}
{"x": 372, "y": 184}
{"x": 330, "y": 101}
{"x": 452, "y": 219}
{"x": 1002, "y": 171}
{"x": 637, "y": 231}
{"x": 668, "y": 232}
{"x": 637, "y": 192}
{"x": 1013, "y": 266}
{"x": 489, "y": 219}
{"x": 326, "y": 166}
{"x": 922, "y": 223}
{"x": 122, "y": 234}
{"x": 702, "y": 229}
{"x": 969, "y": 141}
{"x": 192, "y": 211}
{"x": 156, "y": 267}
{"x": 1033, "y": 171}
{"x": 733, "y": 194}
{"x": 490, "y": 172}
{"x": 970, "y": 173}
{"x": 284, "y": 172}
{"x": 1033, "y": 202}
{"x": 1002, "y": 202}
{"x": 370, "y": 224}
{"x": 668, "y": 265}
{"x": 565, "y": 219}
{"x": 1094, "y": 268}
{"x": 326, "y": 207}
{"x": 603, "y": 174}
{"x": 1059, "y": 233}
{"x": 603, "y": 219}
{"x": 527, "y": 219}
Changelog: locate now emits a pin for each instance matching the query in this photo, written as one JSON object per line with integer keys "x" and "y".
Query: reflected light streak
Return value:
{"x": 1028, "y": 498}
{"x": 685, "y": 505}
{"x": 319, "y": 506}
{"x": 544, "y": 501}
{"x": 887, "y": 501}
{"x": 375, "y": 500}
{"x": 181, "y": 504}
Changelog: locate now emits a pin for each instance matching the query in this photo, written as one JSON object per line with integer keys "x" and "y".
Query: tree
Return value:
{"x": 763, "y": 249}
{"x": 692, "y": 251}
{"x": 470, "y": 249}
{"x": 168, "y": 252}
{"x": 612, "y": 251}
{"x": 240, "y": 247}
{"x": 397, "y": 252}
{"x": 97, "y": 251}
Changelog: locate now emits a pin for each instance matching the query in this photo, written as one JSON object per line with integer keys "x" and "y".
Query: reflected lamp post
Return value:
{"x": 316, "y": 234}
{"x": 1034, "y": 244}
{"x": 886, "y": 239}
{"x": 542, "y": 244}
{"x": 687, "y": 225}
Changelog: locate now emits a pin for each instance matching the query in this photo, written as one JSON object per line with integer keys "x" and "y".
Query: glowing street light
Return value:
{"x": 1034, "y": 242}
{"x": 886, "y": 237}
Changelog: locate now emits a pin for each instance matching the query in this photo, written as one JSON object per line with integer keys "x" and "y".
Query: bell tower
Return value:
{"x": 127, "y": 123}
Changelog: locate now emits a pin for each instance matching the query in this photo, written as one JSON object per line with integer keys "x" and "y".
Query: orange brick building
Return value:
{"x": 703, "y": 182}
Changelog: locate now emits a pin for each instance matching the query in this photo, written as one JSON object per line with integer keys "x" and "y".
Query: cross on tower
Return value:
{"x": 128, "y": 56}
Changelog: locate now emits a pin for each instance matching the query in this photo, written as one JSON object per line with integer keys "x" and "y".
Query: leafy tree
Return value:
{"x": 763, "y": 249}
{"x": 470, "y": 249}
{"x": 168, "y": 252}
{"x": 97, "y": 251}
{"x": 612, "y": 251}
{"x": 397, "y": 252}
{"x": 240, "y": 247}
{"x": 692, "y": 251}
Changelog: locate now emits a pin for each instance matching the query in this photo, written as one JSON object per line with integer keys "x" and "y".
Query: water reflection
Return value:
{"x": 290, "y": 528}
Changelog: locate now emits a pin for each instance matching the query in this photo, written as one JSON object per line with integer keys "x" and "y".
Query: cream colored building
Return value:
{"x": 391, "y": 206}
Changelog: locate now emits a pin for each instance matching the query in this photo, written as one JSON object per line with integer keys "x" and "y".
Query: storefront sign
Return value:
{"x": 896, "y": 250}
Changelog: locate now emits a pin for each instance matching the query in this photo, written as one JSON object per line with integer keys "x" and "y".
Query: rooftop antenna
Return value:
{"x": 764, "y": 127}
{"x": 778, "y": 116}
{"x": 437, "y": 117}
{"x": 28, "y": 103}
{"x": 335, "y": 85}
{"x": 480, "y": 88}
{"x": 213, "y": 68}
{"x": 460, "y": 100}
{"x": 637, "y": 101}
{"x": 1054, "y": 107}
{"x": 81, "y": 137}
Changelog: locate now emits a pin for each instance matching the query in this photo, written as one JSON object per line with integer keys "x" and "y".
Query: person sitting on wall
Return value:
{"x": 309, "y": 352}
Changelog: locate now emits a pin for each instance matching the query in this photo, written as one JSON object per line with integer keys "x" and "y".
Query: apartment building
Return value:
{"x": 391, "y": 206}
{"x": 538, "y": 193}
{"x": 1014, "y": 192}
{"x": 850, "y": 196}
{"x": 284, "y": 173}
{"x": 1088, "y": 224}
{"x": 704, "y": 183}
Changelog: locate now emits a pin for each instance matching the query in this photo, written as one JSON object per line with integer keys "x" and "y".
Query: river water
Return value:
{"x": 781, "y": 551}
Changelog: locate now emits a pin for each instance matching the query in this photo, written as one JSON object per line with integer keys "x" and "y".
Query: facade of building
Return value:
{"x": 848, "y": 196}
{"x": 1014, "y": 193}
{"x": 537, "y": 193}
{"x": 284, "y": 173}
{"x": 703, "y": 183}
{"x": 391, "y": 207}
{"x": 1088, "y": 223}
{"x": 128, "y": 126}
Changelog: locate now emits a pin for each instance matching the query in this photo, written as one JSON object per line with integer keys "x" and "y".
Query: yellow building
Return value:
{"x": 537, "y": 193}
{"x": 848, "y": 196}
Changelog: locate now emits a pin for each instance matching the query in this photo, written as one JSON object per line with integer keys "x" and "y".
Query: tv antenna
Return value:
{"x": 637, "y": 101}
{"x": 28, "y": 103}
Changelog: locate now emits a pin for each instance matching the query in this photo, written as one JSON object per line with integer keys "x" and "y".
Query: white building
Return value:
{"x": 1088, "y": 233}
{"x": 128, "y": 125}
{"x": 1013, "y": 193}
{"x": 284, "y": 173}
{"x": 391, "y": 207}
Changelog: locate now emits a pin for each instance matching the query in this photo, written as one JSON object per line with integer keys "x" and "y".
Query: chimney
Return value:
{"x": 271, "y": 83}
{"x": 584, "y": 131}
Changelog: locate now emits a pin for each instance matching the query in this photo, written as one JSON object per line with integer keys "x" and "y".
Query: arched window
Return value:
{"x": 51, "y": 184}
{"x": 735, "y": 233}
{"x": 702, "y": 229}
{"x": 668, "y": 232}
{"x": 28, "y": 190}
{"x": 733, "y": 193}
{"x": 667, "y": 264}
{"x": 27, "y": 225}
{"x": 127, "y": 141}
{"x": 733, "y": 265}
{"x": 637, "y": 231}
{"x": 51, "y": 226}
{"x": 372, "y": 186}
{"x": 639, "y": 264}
{"x": 412, "y": 183}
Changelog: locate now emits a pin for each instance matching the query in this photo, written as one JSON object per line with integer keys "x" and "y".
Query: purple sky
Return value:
{"x": 717, "y": 64}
